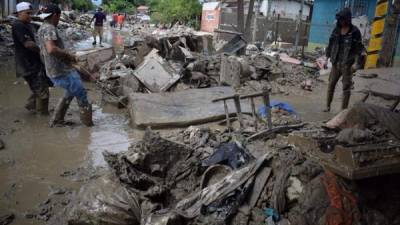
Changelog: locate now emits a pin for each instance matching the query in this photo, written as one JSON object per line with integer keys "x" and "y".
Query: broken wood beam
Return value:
{"x": 268, "y": 108}
{"x": 228, "y": 32}
{"x": 225, "y": 98}
{"x": 275, "y": 130}
{"x": 259, "y": 94}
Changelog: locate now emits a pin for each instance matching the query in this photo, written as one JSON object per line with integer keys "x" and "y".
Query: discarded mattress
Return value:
{"x": 185, "y": 108}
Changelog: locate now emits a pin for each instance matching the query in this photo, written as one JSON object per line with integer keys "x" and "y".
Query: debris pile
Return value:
{"x": 74, "y": 27}
{"x": 6, "y": 42}
{"x": 201, "y": 175}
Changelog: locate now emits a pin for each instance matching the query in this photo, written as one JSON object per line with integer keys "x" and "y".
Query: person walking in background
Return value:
{"x": 99, "y": 18}
{"x": 344, "y": 49}
{"x": 27, "y": 59}
{"x": 114, "y": 19}
{"x": 58, "y": 63}
{"x": 120, "y": 20}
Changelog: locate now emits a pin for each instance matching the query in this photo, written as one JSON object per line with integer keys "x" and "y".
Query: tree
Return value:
{"x": 172, "y": 11}
{"x": 82, "y": 4}
{"x": 118, "y": 6}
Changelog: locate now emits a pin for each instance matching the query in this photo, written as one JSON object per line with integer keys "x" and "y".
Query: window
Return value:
{"x": 358, "y": 7}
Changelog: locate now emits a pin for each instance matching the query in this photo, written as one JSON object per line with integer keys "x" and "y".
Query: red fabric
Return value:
{"x": 115, "y": 17}
{"x": 120, "y": 19}
{"x": 343, "y": 205}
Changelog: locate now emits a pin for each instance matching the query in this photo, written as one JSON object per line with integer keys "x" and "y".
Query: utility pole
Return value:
{"x": 240, "y": 16}
{"x": 298, "y": 25}
{"x": 249, "y": 19}
{"x": 255, "y": 20}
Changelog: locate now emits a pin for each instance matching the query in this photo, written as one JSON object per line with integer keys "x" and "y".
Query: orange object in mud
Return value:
{"x": 343, "y": 205}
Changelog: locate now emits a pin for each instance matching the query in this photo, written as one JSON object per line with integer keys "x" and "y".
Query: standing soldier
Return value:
{"x": 27, "y": 59}
{"x": 99, "y": 19}
{"x": 58, "y": 63}
{"x": 344, "y": 49}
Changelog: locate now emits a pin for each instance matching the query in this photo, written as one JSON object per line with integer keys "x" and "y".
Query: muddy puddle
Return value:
{"x": 37, "y": 157}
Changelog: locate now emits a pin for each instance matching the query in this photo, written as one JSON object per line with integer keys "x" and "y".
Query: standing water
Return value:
{"x": 37, "y": 157}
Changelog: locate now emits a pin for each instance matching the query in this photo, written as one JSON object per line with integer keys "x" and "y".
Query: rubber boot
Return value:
{"x": 31, "y": 103}
{"x": 60, "y": 111}
{"x": 346, "y": 100}
{"x": 42, "y": 106}
{"x": 86, "y": 115}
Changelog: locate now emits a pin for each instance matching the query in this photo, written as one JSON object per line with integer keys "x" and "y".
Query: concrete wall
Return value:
{"x": 265, "y": 28}
{"x": 287, "y": 9}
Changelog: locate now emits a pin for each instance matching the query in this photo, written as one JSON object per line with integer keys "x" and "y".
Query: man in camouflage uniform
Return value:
{"x": 58, "y": 63}
{"x": 344, "y": 50}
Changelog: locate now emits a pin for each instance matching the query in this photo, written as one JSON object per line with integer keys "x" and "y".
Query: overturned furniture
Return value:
{"x": 368, "y": 144}
{"x": 352, "y": 162}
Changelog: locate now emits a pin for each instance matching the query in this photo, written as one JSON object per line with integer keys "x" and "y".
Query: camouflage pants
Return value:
{"x": 337, "y": 72}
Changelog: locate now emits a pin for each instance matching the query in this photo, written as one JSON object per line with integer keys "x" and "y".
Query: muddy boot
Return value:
{"x": 86, "y": 115}
{"x": 42, "y": 106}
{"x": 31, "y": 104}
{"x": 60, "y": 111}
{"x": 346, "y": 100}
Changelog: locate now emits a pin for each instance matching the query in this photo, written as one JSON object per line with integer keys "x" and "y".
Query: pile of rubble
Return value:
{"x": 74, "y": 27}
{"x": 202, "y": 175}
{"x": 6, "y": 42}
{"x": 183, "y": 59}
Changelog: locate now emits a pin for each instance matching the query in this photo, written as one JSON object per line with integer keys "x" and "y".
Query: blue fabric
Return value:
{"x": 73, "y": 87}
{"x": 282, "y": 105}
{"x": 268, "y": 212}
{"x": 276, "y": 104}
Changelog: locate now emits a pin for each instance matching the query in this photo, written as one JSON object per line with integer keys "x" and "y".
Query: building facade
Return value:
{"x": 210, "y": 17}
{"x": 323, "y": 22}
{"x": 286, "y": 8}
{"x": 324, "y": 17}
{"x": 7, "y": 7}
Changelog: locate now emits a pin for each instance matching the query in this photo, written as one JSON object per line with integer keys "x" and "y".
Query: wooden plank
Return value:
{"x": 180, "y": 109}
{"x": 259, "y": 185}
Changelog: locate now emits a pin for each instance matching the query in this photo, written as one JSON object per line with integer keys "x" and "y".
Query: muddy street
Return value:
{"x": 36, "y": 156}
{"x": 170, "y": 116}
{"x": 38, "y": 159}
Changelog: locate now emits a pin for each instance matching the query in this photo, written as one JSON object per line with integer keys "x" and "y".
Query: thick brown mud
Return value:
{"x": 38, "y": 160}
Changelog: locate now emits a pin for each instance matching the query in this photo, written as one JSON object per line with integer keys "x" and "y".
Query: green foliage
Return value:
{"x": 82, "y": 4}
{"x": 118, "y": 6}
{"x": 171, "y": 11}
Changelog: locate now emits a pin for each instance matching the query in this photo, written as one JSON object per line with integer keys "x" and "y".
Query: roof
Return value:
{"x": 143, "y": 7}
{"x": 210, "y": 5}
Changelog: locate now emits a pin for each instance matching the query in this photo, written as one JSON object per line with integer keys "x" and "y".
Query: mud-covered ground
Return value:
{"x": 41, "y": 164}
